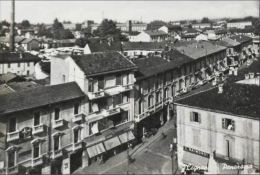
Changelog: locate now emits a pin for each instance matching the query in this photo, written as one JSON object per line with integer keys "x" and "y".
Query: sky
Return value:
{"x": 77, "y": 11}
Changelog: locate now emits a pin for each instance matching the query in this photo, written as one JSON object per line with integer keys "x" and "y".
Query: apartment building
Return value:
{"x": 217, "y": 130}
{"x": 239, "y": 24}
{"x": 150, "y": 36}
{"x": 108, "y": 81}
{"x": 18, "y": 63}
{"x": 41, "y": 130}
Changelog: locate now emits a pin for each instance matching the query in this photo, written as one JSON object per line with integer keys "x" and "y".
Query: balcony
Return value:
{"x": 57, "y": 154}
{"x": 128, "y": 87}
{"x": 37, "y": 161}
{"x": 141, "y": 116}
{"x": 103, "y": 114}
{"x": 58, "y": 123}
{"x": 96, "y": 95}
{"x": 77, "y": 146}
{"x": 38, "y": 129}
{"x": 78, "y": 117}
{"x": 12, "y": 136}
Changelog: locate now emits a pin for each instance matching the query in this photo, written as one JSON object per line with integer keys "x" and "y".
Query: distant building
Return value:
{"x": 18, "y": 63}
{"x": 239, "y": 25}
{"x": 29, "y": 44}
{"x": 201, "y": 25}
{"x": 215, "y": 132}
{"x": 69, "y": 26}
{"x": 132, "y": 26}
{"x": 150, "y": 36}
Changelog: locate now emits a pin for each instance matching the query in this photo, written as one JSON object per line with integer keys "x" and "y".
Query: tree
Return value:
{"x": 57, "y": 25}
{"x": 205, "y": 20}
{"x": 58, "y": 31}
{"x": 155, "y": 25}
{"x": 25, "y": 24}
{"x": 81, "y": 42}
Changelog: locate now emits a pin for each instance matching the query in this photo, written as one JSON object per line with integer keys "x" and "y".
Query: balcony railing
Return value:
{"x": 58, "y": 123}
{"x": 78, "y": 117}
{"x": 77, "y": 146}
{"x": 37, "y": 161}
{"x": 11, "y": 136}
{"x": 57, "y": 153}
{"x": 38, "y": 129}
{"x": 128, "y": 87}
{"x": 12, "y": 170}
{"x": 96, "y": 95}
{"x": 103, "y": 114}
{"x": 113, "y": 111}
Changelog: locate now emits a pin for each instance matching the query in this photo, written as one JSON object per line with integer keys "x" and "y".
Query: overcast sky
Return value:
{"x": 78, "y": 11}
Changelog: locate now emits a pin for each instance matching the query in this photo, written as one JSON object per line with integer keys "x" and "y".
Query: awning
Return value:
{"x": 127, "y": 136}
{"x": 194, "y": 159}
{"x": 112, "y": 143}
{"x": 95, "y": 150}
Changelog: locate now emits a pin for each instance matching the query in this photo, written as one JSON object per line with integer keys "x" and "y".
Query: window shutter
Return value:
{"x": 223, "y": 123}
{"x": 191, "y": 116}
{"x": 233, "y": 124}
{"x": 199, "y": 118}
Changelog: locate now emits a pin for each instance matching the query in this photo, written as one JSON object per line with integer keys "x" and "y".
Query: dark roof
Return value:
{"x": 24, "y": 85}
{"x": 155, "y": 32}
{"x": 241, "y": 38}
{"x": 5, "y": 89}
{"x": 101, "y": 63}
{"x": 8, "y": 77}
{"x": 199, "y": 49}
{"x": 28, "y": 40}
{"x": 143, "y": 46}
{"x": 15, "y": 57}
{"x": 104, "y": 46}
{"x": 154, "y": 65}
{"x": 238, "y": 99}
{"x": 40, "y": 96}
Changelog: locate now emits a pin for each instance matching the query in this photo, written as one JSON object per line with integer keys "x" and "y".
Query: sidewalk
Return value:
{"x": 121, "y": 158}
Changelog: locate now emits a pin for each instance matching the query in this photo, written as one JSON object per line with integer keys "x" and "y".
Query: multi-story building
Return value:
{"x": 41, "y": 130}
{"x": 150, "y": 36}
{"x": 239, "y": 24}
{"x": 107, "y": 79}
{"x": 218, "y": 129}
{"x": 201, "y": 25}
{"x": 18, "y": 63}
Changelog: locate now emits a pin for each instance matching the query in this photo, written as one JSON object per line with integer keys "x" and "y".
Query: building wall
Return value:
{"x": 23, "y": 69}
{"x": 209, "y": 136}
{"x": 142, "y": 37}
{"x": 239, "y": 25}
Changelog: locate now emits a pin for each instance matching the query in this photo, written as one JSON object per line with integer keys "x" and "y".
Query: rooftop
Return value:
{"x": 38, "y": 97}
{"x": 155, "y": 32}
{"x": 227, "y": 42}
{"x": 15, "y": 57}
{"x": 199, "y": 49}
{"x": 154, "y": 65}
{"x": 241, "y": 38}
{"x": 104, "y": 46}
{"x": 143, "y": 46}
{"x": 237, "y": 99}
{"x": 102, "y": 63}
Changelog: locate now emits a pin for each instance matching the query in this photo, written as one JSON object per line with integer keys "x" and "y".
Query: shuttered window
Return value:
{"x": 195, "y": 117}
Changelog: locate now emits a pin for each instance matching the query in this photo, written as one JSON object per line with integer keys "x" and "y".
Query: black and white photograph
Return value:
{"x": 129, "y": 87}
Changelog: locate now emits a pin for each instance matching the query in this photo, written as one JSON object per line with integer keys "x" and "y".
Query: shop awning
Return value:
{"x": 127, "y": 136}
{"x": 95, "y": 150}
{"x": 194, "y": 159}
{"x": 112, "y": 143}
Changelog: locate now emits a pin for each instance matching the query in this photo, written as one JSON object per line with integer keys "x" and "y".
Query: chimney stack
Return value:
{"x": 220, "y": 88}
{"x": 12, "y": 26}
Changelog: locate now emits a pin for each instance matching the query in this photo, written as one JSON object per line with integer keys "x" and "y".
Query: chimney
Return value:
{"x": 12, "y": 26}
{"x": 220, "y": 88}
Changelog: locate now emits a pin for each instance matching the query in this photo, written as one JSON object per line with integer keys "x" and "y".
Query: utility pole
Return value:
{"x": 12, "y": 26}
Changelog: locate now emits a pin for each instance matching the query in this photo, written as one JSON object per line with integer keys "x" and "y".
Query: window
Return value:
{"x": 90, "y": 86}
{"x": 76, "y": 108}
{"x": 28, "y": 73}
{"x": 140, "y": 105}
{"x": 228, "y": 124}
{"x": 57, "y": 114}
{"x": 11, "y": 159}
{"x": 150, "y": 100}
{"x": 19, "y": 64}
{"x": 12, "y": 125}
{"x": 195, "y": 117}
{"x": 77, "y": 135}
{"x": 110, "y": 81}
{"x": 118, "y": 79}
{"x": 28, "y": 64}
{"x": 56, "y": 142}
{"x": 63, "y": 78}
{"x": 36, "y": 119}
{"x": 126, "y": 97}
{"x": 36, "y": 150}
{"x": 8, "y": 65}
{"x": 227, "y": 148}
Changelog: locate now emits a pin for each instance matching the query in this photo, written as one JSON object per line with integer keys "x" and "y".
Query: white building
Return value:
{"x": 150, "y": 36}
{"x": 239, "y": 25}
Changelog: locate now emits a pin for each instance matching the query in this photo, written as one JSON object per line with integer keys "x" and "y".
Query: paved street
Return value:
{"x": 152, "y": 156}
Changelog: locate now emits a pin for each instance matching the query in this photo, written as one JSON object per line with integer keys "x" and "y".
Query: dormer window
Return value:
{"x": 228, "y": 124}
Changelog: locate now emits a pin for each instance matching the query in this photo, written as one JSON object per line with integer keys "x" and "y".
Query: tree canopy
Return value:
{"x": 25, "y": 24}
{"x": 205, "y": 20}
{"x": 155, "y": 24}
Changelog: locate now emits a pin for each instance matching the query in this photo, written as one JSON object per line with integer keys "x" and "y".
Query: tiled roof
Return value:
{"x": 241, "y": 38}
{"x": 5, "y": 78}
{"x": 154, "y": 65}
{"x": 238, "y": 99}
{"x": 17, "y": 57}
{"x": 104, "y": 46}
{"x": 102, "y": 63}
{"x": 143, "y": 46}
{"x": 227, "y": 42}
{"x": 5, "y": 89}
{"x": 199, "y": 49}
{"x": 155, "y": 32}
{"x": 38, "y": 97}
{"x": 24, "y": 85}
